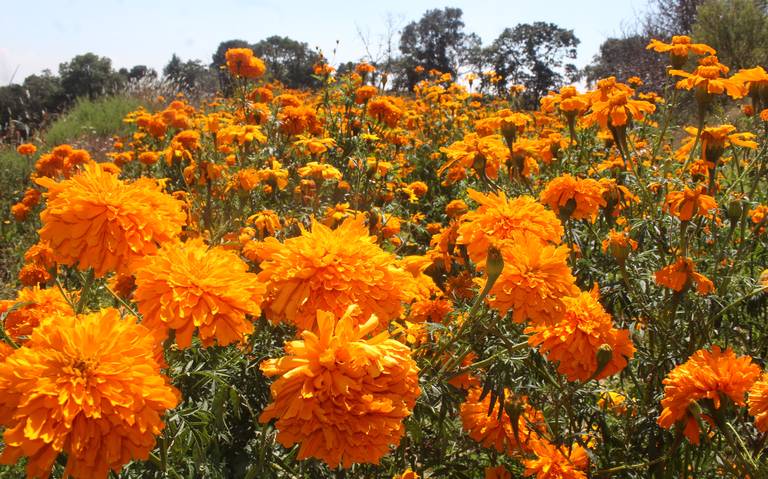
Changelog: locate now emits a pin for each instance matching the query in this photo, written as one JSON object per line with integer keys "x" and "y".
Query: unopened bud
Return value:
{"x": 604, "y": 356}
{"x": 494, "y": 264}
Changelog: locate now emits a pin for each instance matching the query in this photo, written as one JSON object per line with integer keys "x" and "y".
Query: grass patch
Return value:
{"x": 91, "y": 118}
{"x": 14, "y": 237}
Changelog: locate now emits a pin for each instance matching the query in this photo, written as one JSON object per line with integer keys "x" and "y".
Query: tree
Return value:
{"x": 534, "y": 55}
{"x": 666, "y": 18}
{"x": 88, "y": 75}
{"x": 288, "y": 61}
{"x": 190, "y": 77}
{"x": 219, "y": 59}
{"x": 437, "y": 41}
{"x": 737, "y": 29}
{"x": 627, "y": 57}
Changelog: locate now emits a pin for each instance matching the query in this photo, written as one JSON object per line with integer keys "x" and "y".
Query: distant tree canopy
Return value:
{"x": 627, "y": 57}
{"x": 88, "y": 75}
{"x": 189, "y": 76}
{"x": 534, "y": 55}
{"x": 437, "y": 41}
{"x": 737, "y": 29}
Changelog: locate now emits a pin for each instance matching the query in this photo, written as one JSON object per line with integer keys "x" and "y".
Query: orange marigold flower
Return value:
{"x": 20, "y": 211}
{"x": 501, "y": 432}
{"x": 385, "y": 110}
{"x": 706, "y": 375}
{"x": 681, "y": 274}
{"x": 456, "y": 208}
{"x": 758, "y": 402}
{"x": 483, "y": 154}
{"x": 498, "y": 472}
{"x": 585, "y": 332}
{"x": 189, "y": 286}
{"x": 328, "y": 270}
{"x": 26, "y": 149}
{"x": 340, "y": 396}
{"x": 573, "y": 197}
{"x": 619, "y": 244}
{"x": 521, "y": 219}
{"x": 95, "y": 220}
{"x": 242, "y": 62}
{"x": 36, "y": 305}
{"x": 365, "y": 93}
{"x": 533, "y": 283}
{"x": 407, "y": 474}
{"x": 34, "y": 274}
{"x": 688, "y": 203}
{"x": 89, "y": 387}
{"x": 617, "y": 110}
{"x": 706, "y": 78}
{"x": 295, "y": 120}
{"x": 713, "y": 141}
{"x": 679, "y": 49}
{"x": 553, "y": 462}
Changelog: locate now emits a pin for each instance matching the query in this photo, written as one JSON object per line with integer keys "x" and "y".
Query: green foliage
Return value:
{"x": 534, "y": 55}
{"x": 101, "y": 118}
{"x": 737, "y": 29}
{"x": 88, "y": 76}
{"x": 437, "y": 41}
{"x": 14, "y": 237}
{"x": 189, "y": 77}
{"x": 626, "y": 57}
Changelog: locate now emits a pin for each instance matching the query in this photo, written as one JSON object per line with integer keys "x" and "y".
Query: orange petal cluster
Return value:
{"x": 500, "y": 432}
{"x": 32, "y": 306}
{"x": 533, "y": 283}
{"x": 706, "y": 375}
{"x": 87, "y": 386}
{"x": 573, "y": 197}
{"x": 576, "y": 339}
{"x": 188, "y": 287}
{"x": 758, "y": 402}
{"x": 95, "y": 220}
{"x": 520, "y": 219}
{"x": 554, "y": 462}
{"x": 329, "y": 270}
{"x": 342, "y": 397}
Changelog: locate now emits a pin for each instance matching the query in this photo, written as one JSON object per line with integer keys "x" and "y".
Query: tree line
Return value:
{"x": 539, "y": 56}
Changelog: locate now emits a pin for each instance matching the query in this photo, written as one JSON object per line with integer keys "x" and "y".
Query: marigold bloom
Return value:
{"x": 385, "y": 110}
{"x": 533, "y": 283}
{"x": 619, "y": 244}
{"x": 707, "y": 79}
{"x": 498, "y": 472}
{"x": 575, "y": 340}
{"x": 681, "y": 274}
{"x": 617, "y": 110}
{"x": 521, "y": 219}
{"x": 455, "y": 208}
{"x": 714, "y": 139}
{"x": 95, "y": 220}
{"x": 295, "y": 120}
{"x": 36, "y": 305}
{"x": 705, "y": 375}
{"x": 242, "y": 62}
{"x": 319, "y": 171}
{"x": 188, "y": 287}
{"x": 483, "y": 154}
{"x": 554, "y": 462}
{"x": 758, "y": 402}
{"x": 500, "y": 432}
{"x": 755, "y": 81}
{"x": 575, "y": 198}
{"x": 26, "y": 149}
{"x": 688, "y": 203}
{"x": 679, "y": 49}
{"x": 89, "y": 387}
{"x": 365, "y": 93}
{"x": 340, "y": 396}
{"x": 328, "y": 270}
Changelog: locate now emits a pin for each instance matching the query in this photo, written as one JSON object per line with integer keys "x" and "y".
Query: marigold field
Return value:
{"x": 351, "y": 283}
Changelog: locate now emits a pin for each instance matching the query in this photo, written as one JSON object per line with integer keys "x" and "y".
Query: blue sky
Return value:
{"x": 35, "y": 35}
